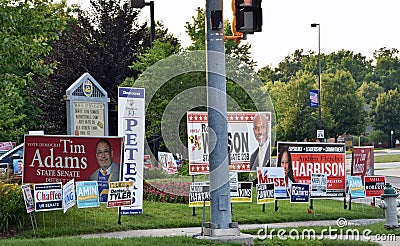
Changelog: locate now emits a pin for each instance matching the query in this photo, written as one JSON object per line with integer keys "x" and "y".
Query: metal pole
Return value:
{"x": 152, "y": 24}
{"x": 217, "y": 119}
{"x": 319, "y": 76}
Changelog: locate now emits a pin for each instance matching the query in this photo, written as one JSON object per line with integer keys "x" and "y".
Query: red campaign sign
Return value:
{"x": 363, "y": 161}
{"x": 374, "y": 185}
{"x": 305, "y": 158}
{"x": 333, "y": 165}
{"x": 49, "y": 159}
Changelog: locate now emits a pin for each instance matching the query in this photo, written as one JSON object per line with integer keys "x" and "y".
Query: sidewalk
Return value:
{"x": 193, "y": 231}
{"x": 265, "y": 229}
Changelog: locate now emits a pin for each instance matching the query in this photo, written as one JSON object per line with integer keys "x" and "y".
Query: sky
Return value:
{"x": 361, "y": 26}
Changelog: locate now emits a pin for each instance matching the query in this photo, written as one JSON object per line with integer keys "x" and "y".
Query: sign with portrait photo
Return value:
{"x": 307, "y": 158}
{"x": 49, "y": 159}
{"x": 248, "y": 141}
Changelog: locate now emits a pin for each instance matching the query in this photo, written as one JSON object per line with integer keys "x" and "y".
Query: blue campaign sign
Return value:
{"x": 87, "y": 194}
{"x": 300, "y": 193}
{"x": 313, "y": 98}
{"x": 355, "y": 186}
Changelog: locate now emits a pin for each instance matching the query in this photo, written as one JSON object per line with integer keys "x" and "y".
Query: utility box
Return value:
{"x": 87, "y": 108}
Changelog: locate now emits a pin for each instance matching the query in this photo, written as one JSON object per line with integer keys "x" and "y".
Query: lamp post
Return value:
{"x": 391, "y": 139}
{"x": 140, "y": 4}
{"x": 319, "y": 72}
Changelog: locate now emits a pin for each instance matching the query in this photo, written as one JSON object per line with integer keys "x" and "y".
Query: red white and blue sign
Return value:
{"x": 313, "y": 98}
{"x": 48, "y": 196}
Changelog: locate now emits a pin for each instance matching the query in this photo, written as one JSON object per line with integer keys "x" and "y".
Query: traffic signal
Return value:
{"x": 248, "y": 15}
{"x": 137, "y": 4}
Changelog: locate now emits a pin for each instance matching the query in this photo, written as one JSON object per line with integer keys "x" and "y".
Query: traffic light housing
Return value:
{"x": 137, "y": 4}
{"x": 248, "y": 16}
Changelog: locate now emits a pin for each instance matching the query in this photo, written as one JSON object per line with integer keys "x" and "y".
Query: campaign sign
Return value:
{"x": 355, "y": 186}
{"x": 362, "y": 161}
{"x": 199, "y": 192}
{"x": 318, "y": 185}
{"x": 300, "y": 193}
{"x": 307, "y": 158}
{"x": 87, "y": 194}
{"x": 69, "y": 195}
{"x": 244, "y": 194}
{"x": 168, "y": 162}
{"x": 18, "y": 166}
{"x": 274, "y": 175}
{"x": 48, "y": 197}
{"x": 265, "y": 193}
{"x": 233, "y": 183}
{"x": 29, "y": 203}
{"x": 242, "y": 143}
{"x": 120, "y": 194}
{"x": 374, "y": 185}
{"x": 52, "y": 159}
{"x": 131, "y": 125}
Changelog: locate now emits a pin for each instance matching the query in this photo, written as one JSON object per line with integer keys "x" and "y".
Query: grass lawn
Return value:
{"x": 166, "y": 215}
{"x": 387, "y": 158}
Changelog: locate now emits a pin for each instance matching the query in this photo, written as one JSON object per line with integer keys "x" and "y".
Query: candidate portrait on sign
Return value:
{"x": 262, "y": 154}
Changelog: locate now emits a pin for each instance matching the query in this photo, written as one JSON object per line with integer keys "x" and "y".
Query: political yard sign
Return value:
{"x": 48, "y": 197}
{"x": 87, "y": 194}
{"x": 241, "y": 140}
{"x": 308, "y": 158}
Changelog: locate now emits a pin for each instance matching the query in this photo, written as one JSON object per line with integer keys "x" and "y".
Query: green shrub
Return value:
{"x": 184, "y": 170}
{"x": 13, "y": 215}
{"x": 155, "y": 173}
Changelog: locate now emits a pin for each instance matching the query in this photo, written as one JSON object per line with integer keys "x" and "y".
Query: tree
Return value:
{"x": 369, "y": 91}
{"x": 340, "y": 101}
{"x": 103, "y": 41}
{"x": 293, "y": 63}
{"x": 387, "y": 68}
{"x": 384, "y": 113}
{"x": 377, "y": 136}
{"x": 296, "y": 119}
{"x": 356, "y": 64}
{"x": 27, "y": 29}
